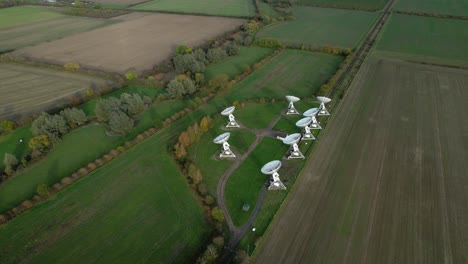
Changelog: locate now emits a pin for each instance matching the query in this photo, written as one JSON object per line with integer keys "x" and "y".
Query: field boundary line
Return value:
{"x": 434, "y": 15}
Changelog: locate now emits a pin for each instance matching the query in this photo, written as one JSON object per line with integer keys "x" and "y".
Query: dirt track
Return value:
{"x": 137, "y": 44}
{"x": 388, "y": 182}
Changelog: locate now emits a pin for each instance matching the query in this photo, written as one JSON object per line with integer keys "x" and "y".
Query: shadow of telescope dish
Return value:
{"x": 311, "y": 112}
{"x": 304, "y": 122}
{"x": 323, "y": 99}
{"x": 222, "y": 138}
{"x": 292, "y": 139}
{"x": 292, "y": 98}
{"x": 228, "y": 111}
{"x": 271, "y": 167}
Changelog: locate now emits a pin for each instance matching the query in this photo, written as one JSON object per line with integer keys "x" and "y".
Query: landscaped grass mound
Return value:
{"x": 426, "y": 39}
{"x": 232, "y": 8}
{"x": 137, "y": 208}
{"x": 295, "y": 72}
{"x": 353, "y": 4}
{"x": 321, "y": 26}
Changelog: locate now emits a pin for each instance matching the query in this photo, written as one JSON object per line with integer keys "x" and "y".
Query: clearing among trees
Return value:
{"x": 321, "y": 26}
{"x": 27, "y": 90}
{"x": 232, "y": 8}
{"x": 387, "y": 182}
{"x": 136, "y": 44}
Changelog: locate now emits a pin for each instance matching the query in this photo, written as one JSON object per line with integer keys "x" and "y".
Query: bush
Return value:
{"x": 6, "y": 126}
{"x": 194, "y": 173}
{"x": 43, "y": 190}
{"x": 248, "y": 40}
{"x": 178, "y": 88}
{"x": 218, "y": 242}
{"x": 183, "y": 49}
{"x": 74, "y": 117}
{"x": 219, "y": 82}
{"x": 216, "y": 55}
{"x": 130, "y": 75}
{"x": 202, "y": 189}
{"x": 231, "y": 49}
{"x": 120, "y": 123}
{"x": 217, "y": 214}
{"x": 268, "y": 43}
{"x": 205, "y": 124}
{"x": 209, "y": 200}
{"x": 72, "y": 66}
{"x": 54, "y": 126}
{"x": 251, "y": 27}
{"x": 40, "y": 143}
{"x": 9, "y": 160}
{"x": 246, "y": 69}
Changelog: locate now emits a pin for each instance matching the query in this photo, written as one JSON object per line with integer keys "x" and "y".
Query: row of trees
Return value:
{"x": 120, "y": 114}
{"x": 55, "y": 126}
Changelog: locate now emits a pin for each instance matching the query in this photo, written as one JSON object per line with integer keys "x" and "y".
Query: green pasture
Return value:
{"x": 76, "y": 149}
{"x": 425, "y": 39}
{"x": 259, "y": 116}
{"x": 230, "y": 8}
{"x": 268, "y": 10}
{"x": 204, "y": 153}
{"x": 320, "y": 27}
{"x": 445, "y": 7}
{"x": 246, "y": 182}
{"x": 137, "y": 208}
{"x": 234, "y": 65}
{"x": 294, "y": 72}
{"x": 20, "y": 15}
{"x": 353, "y": 4}
{"x": 35, "y": 32}
{"x": 10, "y": 143}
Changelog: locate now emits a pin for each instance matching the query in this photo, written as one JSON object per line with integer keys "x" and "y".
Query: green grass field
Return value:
{"x": 10, "y": 143}
{"x": 249, "y": 115}
{"x": 137, "y": 208}
{"x": 87, "y": 144}
{"x": 268, "y": 10}
{"x": 321, "y": 26}
{"x": 231, "y": 8}
{"x": 234, "y": 65}
{"x": 294, "y": 72}
{"x": 246, "y": 182}
{"x": 444, "y": 7}
{"x": 354, "y": 4}
{"x": 425, "y": 39}
{"x": 20, "y": 15}
{"x": 204, "y": 153}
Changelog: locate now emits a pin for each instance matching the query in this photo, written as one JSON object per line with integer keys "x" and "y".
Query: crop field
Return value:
{"x": 27, "y": 90}
{"x": 35, "y": 32}
{"x": 387, "y": 181}
{"x": 291, "y": 72}
{"x": 354, "y": 4}
{"x": 231, "y": 8}
{"x": 137, "y": 208}
{"x": 234, "y": 65}
{"x": 120, "y": 2}
{"x": 321, "y": 26}
{"x": 445, "y": 7}
{"x": 109, "y": 50}
{"x": 426, "y": 39}
{"x": 20, "y": 15}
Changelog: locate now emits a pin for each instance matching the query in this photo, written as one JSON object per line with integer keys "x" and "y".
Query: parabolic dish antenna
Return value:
{"x": 291, "y": 109}
{"x": 323, "y": 99}
{"x": 311, "y": 112}
{"x": 222, "y": 138}
{"x": 271, "y": 167}
{"x": 228, "y": 111}
{"x": 292, "y": 139}
{"x": 304, "y": 122}
{"x": 292, "y": 98}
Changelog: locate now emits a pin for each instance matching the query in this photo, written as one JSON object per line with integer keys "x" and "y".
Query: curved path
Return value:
{"x": 237, "y": 233}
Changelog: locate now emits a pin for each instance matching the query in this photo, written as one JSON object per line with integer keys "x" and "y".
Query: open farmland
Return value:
{"x": 233, "y": 8}
{"x": 148, "y": 40}
{"x": 137, "y": 208}
{"x": 35, "y": 32}
{"x": 445, "y": 7}
{"x": 387, "y": 182}
{"x": 426, "y": 39}
{"x": 321, "y": 26}
{"x": 20, "y": 15}
{"x": 354, "y": 4}
{"x": 28, "y": 90}
{"x": 291, "y": 72}
{"x": 120, "y": 2}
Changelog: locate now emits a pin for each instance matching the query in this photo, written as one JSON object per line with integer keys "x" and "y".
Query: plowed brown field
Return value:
{"x": 136, "y": 44}
{"x": 388, "y": 183}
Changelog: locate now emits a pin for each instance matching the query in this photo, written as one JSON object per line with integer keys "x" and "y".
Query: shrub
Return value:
{"x": 74, "y": 117}
{"x": 217, "y": 214}
{"x": 194, "y": 173}
{"x": 219, "y": 82}
{"x": 9, "y": 160}
{"x": 231, "y": 49}
{"x": 43, "y": 190}
{"x": 40, "y": 143}
{"x": 216, "y": 55}
{"x": 202, "y": 189}
{"x": 72, "y": 66}
{"x": 120, "y": 123}
{"x": 53, "y": 126}
{"x": 183, "y": 49}
{"x": 205, "y": 124}
{"x": 6, "y": 126}
{"x": 246, "y": 68}
{"x": 251, "y": 27}
{"x": 209, "y": 200}
{"x": 130, "y": 75}
{"x": 178, "y": 88}
{"x": 268, "y": 43}
{"x": 218, "y": 242}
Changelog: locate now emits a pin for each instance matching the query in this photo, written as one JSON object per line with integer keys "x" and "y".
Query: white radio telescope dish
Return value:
{"x": 226, "y": 151}
{"x": 311, "y": 112}
{"x": 305, "y": 122}
{"x": 222, "y": 138}
{"x": 323, "y": 110}
{"x": 291, "y": 109}
{"x": 292, "y": 139}
{"x": 271, "y": 168}
{"x": 228, "y": 111}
